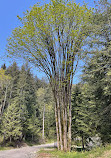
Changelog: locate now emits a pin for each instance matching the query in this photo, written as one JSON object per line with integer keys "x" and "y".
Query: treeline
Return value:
{"x": 91, "y": 98}
{"x": 26, "y": 105}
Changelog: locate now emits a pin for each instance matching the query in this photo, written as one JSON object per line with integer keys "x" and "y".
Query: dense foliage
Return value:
{"x": 91, "y": 100}
{"x": 22, "y": 102}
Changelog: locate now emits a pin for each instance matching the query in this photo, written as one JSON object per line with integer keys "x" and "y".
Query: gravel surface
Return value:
{"x": 24, "y": 152}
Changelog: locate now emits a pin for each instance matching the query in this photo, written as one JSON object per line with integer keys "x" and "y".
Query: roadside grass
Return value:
{"x": 6, "y": 148}
{"x": 31, "y": 143}
{"x": 50, "y": 141}
{"x": 94, "y": 153}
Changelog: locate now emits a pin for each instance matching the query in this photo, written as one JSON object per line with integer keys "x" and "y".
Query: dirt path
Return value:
{"x": 24, "y": 152}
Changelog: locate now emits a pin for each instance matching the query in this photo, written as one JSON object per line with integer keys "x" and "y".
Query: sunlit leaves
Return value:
{"x": 43, "y": 22}
{"x": 4, "y": 79}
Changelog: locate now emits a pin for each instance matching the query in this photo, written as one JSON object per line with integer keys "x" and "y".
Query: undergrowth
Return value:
{"x": 94, "y": 153}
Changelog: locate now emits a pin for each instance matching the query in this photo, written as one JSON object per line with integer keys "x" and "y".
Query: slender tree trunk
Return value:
{"x": 4, "y": 139}
{"x": 10, "y": 95}
{"x": 10, "y": 139}
{"x": 57, "y": 128}
{"x": 65, "y": 129}
{"x": 32, "y": 137}
{"x": 65, "y": 120}
{"x": 70, "y": 119}
{"x": 0, "y": 109}
{"x": 56, "y": 118}
{"x": 83, "y": 142}
{"x": 60, "y": 126}
{"x": 4, "y": 101}
{"x": 43, "y": 122}
{"x": 24, "y": 137}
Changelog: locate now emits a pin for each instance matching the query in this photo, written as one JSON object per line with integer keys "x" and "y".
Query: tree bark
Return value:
{"x": 65, "y": 121}
{"x": 65, "y": 130}
{"x": 10, "y": 139}
{"x": 2, "y": 110}
{"x": 32, "y": 137}
{"x": 83, "y": 142}
{"x": 57, "y": 128}
{"x": 43, "y": 122}
{"x": 70, "y": 120}
{"x": 60, "y": 127}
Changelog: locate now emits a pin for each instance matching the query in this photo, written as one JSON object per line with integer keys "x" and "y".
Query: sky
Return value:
{"x": 9, "y": 9}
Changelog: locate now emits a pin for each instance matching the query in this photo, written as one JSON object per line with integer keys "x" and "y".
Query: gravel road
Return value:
{"x": 24, "y": 152}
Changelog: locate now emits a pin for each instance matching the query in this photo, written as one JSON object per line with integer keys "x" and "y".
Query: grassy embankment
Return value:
{"x": 100, "y": 152}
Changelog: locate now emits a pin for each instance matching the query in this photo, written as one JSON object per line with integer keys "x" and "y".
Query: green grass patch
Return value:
{"x": 94, "y": 153}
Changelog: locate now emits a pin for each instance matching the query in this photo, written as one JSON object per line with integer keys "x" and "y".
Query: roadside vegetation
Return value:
{"x": 6, "y": 148}
{"x": 98, "y": 152}
{"x": 23, "y": 99}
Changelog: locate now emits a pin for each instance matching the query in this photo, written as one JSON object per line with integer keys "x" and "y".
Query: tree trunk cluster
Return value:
{"x": 62, "y": 96}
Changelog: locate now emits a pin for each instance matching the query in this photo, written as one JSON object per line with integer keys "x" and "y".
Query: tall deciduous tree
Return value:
{"x": 52, "y": 37}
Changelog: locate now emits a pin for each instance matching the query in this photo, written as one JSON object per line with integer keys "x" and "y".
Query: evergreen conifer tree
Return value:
{"x": 97, "y": 71}
{"x": 11, "y": 123}
{"x": 83, "y": 116}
